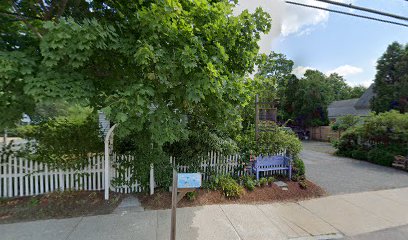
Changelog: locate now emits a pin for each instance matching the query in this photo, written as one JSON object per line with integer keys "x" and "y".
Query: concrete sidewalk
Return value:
{"x": 324, "y": 218}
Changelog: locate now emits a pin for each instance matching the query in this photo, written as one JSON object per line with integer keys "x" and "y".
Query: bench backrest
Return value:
{"x": 271, "y": 161}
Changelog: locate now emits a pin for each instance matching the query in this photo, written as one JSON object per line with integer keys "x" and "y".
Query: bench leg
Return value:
{"x": 257, "y": 175}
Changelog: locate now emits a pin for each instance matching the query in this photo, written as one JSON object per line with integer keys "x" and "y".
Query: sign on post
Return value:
{"x": 182, "y": 183}
{"x": 189, "y": 180}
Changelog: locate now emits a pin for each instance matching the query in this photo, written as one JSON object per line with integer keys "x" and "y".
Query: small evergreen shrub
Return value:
{"x": 359, "y": 154}
{"x": 229, "y": 186}
{"x": 271, "y": 180}
{"x": 249, "y": 183}
{"x": 380, "y": 156}
{"x": 263, "y": 181}
{"x": 191, "y": 195}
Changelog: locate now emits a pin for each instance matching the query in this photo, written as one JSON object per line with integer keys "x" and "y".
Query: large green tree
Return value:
{"x": 391, "y": 80}
{"x": 155, "y": 67}
{"x": 306, "y": 100}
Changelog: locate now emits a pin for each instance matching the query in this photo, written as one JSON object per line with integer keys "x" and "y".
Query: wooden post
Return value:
{"x": 173, "y": 206}
{"x": 256, "y": 117}
{"x": 5, "y": 137}
{"x": 151, "y": 182}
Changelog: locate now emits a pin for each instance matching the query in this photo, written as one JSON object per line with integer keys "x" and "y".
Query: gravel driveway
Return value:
{"x": 339, "y": 175}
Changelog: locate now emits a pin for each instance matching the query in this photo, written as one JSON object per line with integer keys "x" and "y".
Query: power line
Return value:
{"x": 346, "y": 13}
{"x": 364, "y": 9}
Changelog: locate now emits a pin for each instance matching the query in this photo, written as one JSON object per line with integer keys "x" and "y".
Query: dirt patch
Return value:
{"x": 267, "y": 194}
{"x": 57, "y": 205}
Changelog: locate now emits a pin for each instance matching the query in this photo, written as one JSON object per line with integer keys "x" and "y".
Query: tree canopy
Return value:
{"x": 391, "y": 80}
{"x": 155, "y": 67}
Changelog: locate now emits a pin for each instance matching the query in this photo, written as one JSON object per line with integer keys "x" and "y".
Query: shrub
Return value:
{"x": 303, "y": 184}
{"x": 191, "y": 195}
{"x": 263, "y": 181}
{"x": 298, "y": 168}
{"x": 64, "y": 141}
{"x": 377, "y": 140}
{"x": 229, "y": 186}
{"x": 359, "y": 154}
{"x": 271, "y": 180}
{"x": 275, "y": 140}
{"x": 380, "y": 156}
{"x": 345, "y": 122}
{"x": 249, "y": 183}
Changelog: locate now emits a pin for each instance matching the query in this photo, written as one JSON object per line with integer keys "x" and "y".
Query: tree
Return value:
{"x": 391, "y": 80}
{"x": 147, "y": 64}
{"x": 357, "y": 91}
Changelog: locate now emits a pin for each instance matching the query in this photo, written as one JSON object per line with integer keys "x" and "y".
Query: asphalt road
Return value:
{"x": 338, "y": 175}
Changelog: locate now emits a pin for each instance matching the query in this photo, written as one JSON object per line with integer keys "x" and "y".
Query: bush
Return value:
{"x": 359, "y": 154}
{"x": 191, "y": 195}
{"x": 345, "y": 122}
{"x": 64, "y": 141}
{"x": 275, "y": 140}
{"x": 263, "y": 182}
{"x": 298, "y": 169}
{"x": 271, "y": 180}
{"x": 380, "y": 156}
{"x": 303, "y": 184}
{"x": 377, "y": 140}
{"x": 229, "y": 186}
{"x": 249, "y": 183}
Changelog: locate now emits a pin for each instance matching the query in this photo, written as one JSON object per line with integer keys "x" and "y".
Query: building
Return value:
{"x": 356, "y": 106}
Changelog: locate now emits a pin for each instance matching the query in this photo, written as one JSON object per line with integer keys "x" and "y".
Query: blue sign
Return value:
{"x": 189, "y": 180}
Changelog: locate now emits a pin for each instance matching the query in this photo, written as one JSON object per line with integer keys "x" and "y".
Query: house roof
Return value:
{"x": 346, "y": 107}
{"x": 356, "y": 106}
{"x": 364, "y": 100}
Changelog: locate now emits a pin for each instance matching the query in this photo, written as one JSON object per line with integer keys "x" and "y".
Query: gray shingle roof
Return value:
{"x": 364, "y": 101}
{"x": 346, "y": 107}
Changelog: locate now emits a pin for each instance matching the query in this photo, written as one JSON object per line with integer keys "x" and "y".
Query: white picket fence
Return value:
{"x": 21, "y": 177}
{"x": 216, "y": 164}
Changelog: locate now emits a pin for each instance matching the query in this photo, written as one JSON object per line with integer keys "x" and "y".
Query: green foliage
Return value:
{"x": 178, "y": 75}
{"x": 191, "y": 196}
{"x": 391, "y": 81}
{"x": 306, "y": 100}
{"x": 303, "y": 184}
{"x": 380, "y": 156}
{"x": 271, "y": 180}
{"x": 263, "y": 182}
{"x": 249, "y": 183}
{"x": 298, "y": 168}
{"x": 360, "y": 154}
{"x": 378, "y": 139}
{"x": 171, "y": 57}
{"x": 228, "y": 185}
{"x": 65, "y": 141}
{"x": 345, "y": 122}
{"x": 274, "y": 141}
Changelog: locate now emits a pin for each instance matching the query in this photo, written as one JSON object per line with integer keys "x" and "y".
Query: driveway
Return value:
{"x": 339, "y": 175}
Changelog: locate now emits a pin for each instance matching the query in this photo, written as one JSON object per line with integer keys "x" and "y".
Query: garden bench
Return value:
{"x": 272, "y": 163}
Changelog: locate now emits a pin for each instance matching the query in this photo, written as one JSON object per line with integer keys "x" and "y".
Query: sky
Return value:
{"x": 331, "y": 42}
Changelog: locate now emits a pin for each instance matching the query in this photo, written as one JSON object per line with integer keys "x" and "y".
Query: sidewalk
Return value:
{"x": 324, "y": 218}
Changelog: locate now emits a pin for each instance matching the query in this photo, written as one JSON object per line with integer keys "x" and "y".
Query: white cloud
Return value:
{"x": 287, "y": 19}
{"x": 345, "y": 70}
{"x": 299, "y": 71}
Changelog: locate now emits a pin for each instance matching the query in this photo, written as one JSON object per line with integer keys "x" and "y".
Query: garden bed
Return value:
{"x": 57, "y": 205}
{"x": 266, "y": 194}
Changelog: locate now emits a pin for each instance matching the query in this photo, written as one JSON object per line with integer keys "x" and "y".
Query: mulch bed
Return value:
{"x": 266, "y": 194}
{"x": 57, "y": 205}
